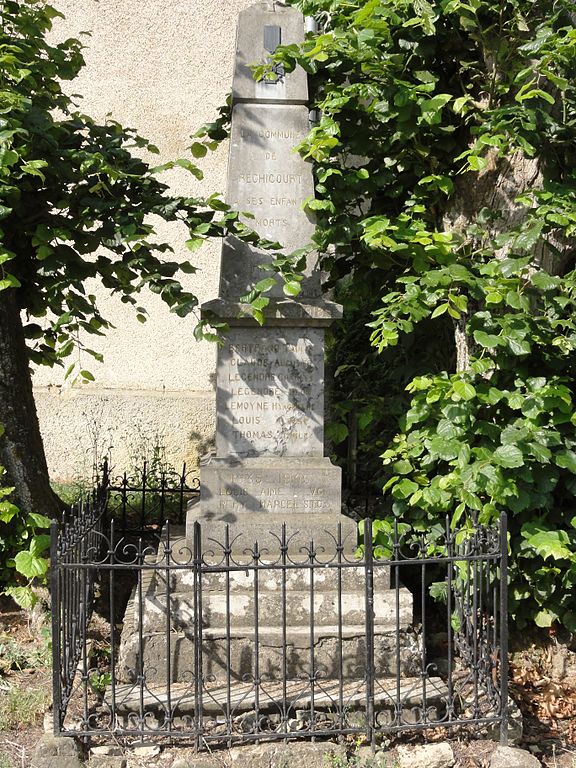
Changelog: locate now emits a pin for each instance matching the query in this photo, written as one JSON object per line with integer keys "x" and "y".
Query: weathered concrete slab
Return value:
{"x": 320, "y": 529}
{"x": 240, "y": 609}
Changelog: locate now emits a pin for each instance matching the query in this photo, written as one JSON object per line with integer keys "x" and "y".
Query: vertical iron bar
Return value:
{"x": 449, "y": 611}
{"x": 397, "y": 623}
{"x": 55, "y": 598}
{"x": 312, "y": 673}
{"x": 197, "y": 637}
{"x": 227, "y": 551}
{"x": 256, "y": 555}
{"x": 369, "y": 599}
{"x": 143, "y": 504}
{"x": 167, "y": 554}
{"x": 162, "y": 516}
{"x": 474, "y": 630}
{"x": 198, "y": 622}
{"x": 124, "y": 499}
{"x": 181, "y": 495}
{"x": 83, "y": 625}
{"x": 424, "y": 670}
{"x": 112, "y": 620}
{"x": 140, "y": 664}
{"x": 340, "y": 549}
{"x": 483, "y": 647}
{"x": 284, "y": 552}
{"x": 504, "y": 629}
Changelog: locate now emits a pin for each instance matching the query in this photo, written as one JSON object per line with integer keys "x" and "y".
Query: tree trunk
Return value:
{"x": 21, "y": 448}
{"x": 496, "y": 189}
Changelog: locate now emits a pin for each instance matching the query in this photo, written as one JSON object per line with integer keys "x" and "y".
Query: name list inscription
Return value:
{"x": 270, "y": 397}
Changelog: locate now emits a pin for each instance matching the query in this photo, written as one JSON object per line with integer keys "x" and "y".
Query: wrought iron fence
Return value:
{"x": 146, "y": 499}
{"x": 228, "y": 641}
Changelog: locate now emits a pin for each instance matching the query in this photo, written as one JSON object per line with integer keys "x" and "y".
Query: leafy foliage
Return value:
{"x": 77, "y": 199}
{"x": 445, "y": 198}
{"x": 23, "y": 547}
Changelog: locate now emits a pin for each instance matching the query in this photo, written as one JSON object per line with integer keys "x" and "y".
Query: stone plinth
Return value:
{"x": 278, "y": 606}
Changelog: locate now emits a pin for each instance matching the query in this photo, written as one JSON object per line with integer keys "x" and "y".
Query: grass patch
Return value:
{"x": 20, "y": 708}
{"x": 18, "y": 656}
{"x": 6, "y": 761}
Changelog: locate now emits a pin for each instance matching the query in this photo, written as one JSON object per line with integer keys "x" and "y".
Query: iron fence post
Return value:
{"x": 198, "y": 676}
{"x": 55, "y": 605}
{"x": 504, "y": 629}
{"x": 369, "y": 586}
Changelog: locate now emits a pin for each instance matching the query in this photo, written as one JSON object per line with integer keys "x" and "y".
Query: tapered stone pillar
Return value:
{"x": 269, "y": 466}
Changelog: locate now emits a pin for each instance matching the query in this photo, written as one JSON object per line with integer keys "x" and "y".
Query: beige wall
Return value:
{"x": 162, "y": 66}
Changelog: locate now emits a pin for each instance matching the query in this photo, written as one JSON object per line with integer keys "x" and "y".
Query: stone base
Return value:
{"x": 254, "y": 496}
{"x": 275, "y": 621}
{"x": 412, "y": 696}
{"x": 240, "y": 653}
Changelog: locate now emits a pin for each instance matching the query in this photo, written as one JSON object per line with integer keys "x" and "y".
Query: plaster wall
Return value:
{"x": 163, "y": 67}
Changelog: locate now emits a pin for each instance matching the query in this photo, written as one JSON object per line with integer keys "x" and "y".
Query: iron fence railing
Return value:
{"x": 227, "y": 641}
{"x": 77, "y": 541}
{"x": 145, "y": 499}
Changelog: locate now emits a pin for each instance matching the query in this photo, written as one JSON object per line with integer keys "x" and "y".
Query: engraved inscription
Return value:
{"x": 271, "y": 133}
{"x": 273, "y": 493}
{"x": 268, "y": 180}
{"x": 272, "y": 399}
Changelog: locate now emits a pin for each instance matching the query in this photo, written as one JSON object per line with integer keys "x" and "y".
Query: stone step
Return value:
{"x": 240, "y": 609}
{"x": 352, "y": 578}
{"x": 235, "y": 656}
{"x": 273, "y": 696}
{"x": 324, "y": 574}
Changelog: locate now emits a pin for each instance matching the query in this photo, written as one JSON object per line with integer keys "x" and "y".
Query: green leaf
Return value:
{"x": 487, "y": 340}
{"x": 23, "y": 596}
{"x": 337, "y": 432}
{"x": 266, "y": 284}
{"x": 566, "y": 460}
{"x": 551, "y": 544}
{"x": 198, "y": 150}
{"x": 518, "y": 346}
{"x": 545, "y": 281}
{"x": 194, "y": 243}
{"x": 30, "y": 565}
{"x": 545, "y": 618}
{"x": 292, "y": 288}
{"x": 404, "y": 489}
{"x": 444, "y": 449}
{"x": 37, "y": 520}
{"x": 9, "y": 281}
{"x": 509, "y": 456}
{"x": 477, "y": 163}
{"x": 7, "y": 511}
{"x": 464, "y": 390}
{"x": 39, "y": 544}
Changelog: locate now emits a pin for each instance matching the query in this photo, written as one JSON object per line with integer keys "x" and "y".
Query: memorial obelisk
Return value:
{"x": 269, "y": 466}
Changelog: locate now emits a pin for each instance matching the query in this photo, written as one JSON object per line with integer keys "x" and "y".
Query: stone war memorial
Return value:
{"x": 270, "y": 499}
